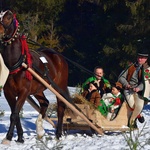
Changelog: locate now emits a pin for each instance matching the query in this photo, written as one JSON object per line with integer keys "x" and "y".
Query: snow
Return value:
{"x": 71, "y": 140}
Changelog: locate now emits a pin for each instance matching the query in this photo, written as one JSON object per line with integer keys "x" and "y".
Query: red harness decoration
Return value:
{"x": 25, "y": 50}
{"x": 16, "y": 70}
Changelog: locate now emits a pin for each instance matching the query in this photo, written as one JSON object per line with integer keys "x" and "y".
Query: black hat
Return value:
{"x": 143, "y": 53}
{"x": 143, "y": 48}
{"x": 94, "y": 83}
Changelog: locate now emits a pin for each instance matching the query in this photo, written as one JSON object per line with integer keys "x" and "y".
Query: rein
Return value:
{"x": 74, "y": 63}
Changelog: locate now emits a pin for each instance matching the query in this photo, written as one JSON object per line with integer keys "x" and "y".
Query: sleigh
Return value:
{"x": 73, "y": 122}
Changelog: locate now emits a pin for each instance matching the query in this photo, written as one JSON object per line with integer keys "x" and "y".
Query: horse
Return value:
{"x": 20, "y": 82}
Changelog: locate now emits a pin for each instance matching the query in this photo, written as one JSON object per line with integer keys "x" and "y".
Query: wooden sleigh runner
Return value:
{"x": 71, "y": 121}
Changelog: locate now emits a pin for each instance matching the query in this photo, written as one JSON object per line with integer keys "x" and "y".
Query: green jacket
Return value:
{"x": 93, "y": 78}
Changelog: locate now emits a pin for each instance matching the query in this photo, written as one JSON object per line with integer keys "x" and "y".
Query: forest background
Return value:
{"x": 90, "y": 33}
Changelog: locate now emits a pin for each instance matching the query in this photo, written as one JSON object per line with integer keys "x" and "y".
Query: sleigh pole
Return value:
{"x": 98, "y": 130}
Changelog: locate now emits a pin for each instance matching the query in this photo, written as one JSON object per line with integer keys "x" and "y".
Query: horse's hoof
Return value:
{"x": 5, "y": 141}
{"x": 58, "y": 136}
{"x": 20, "y": 141}
{"x": 40, "y": 132}
{"x": 39, "y": 136}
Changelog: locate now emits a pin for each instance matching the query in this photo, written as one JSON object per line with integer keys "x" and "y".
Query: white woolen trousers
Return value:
{"x": 135, "y": 102}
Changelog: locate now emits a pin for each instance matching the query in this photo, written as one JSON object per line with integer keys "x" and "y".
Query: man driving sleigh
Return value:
{"x": 136, "y": 84}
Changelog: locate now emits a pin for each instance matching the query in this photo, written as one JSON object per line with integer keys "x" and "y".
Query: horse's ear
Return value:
{"x": 8, "y": 17}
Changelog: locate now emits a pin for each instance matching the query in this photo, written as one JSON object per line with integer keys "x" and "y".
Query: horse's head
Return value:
{"x": 6, "y": 19}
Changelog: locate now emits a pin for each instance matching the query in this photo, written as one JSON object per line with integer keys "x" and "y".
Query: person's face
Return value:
{"x": 91, "y": 87}
{"x": 99, "y": 73}
{"x": 142, "y": 59}
{"x": 114, "y": 91}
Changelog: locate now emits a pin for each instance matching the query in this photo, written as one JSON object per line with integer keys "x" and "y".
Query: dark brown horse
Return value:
{"x": 20, "y": 83}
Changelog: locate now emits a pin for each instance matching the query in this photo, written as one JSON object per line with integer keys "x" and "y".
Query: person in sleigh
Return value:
{"x": 103, "y": 85}
{"x": 91, "y": 94}
{"x": 111, "y": 102}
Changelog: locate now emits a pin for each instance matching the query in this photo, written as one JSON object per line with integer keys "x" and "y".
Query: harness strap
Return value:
{"x": 15, "y": 68}
{"x": 44, "y": 74}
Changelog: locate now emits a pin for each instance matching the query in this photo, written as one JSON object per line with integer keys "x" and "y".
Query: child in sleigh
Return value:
{"x": 111, "y": 102}
{"x": 92, "y": 95}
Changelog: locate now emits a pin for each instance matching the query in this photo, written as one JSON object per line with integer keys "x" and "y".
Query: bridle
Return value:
{"x": 1, "y": 20}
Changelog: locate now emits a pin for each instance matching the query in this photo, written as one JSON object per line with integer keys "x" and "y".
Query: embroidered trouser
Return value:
{"x": 135, "y": 102}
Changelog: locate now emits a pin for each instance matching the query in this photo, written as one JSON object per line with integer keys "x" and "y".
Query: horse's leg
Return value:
{"x": 12, "y": 103}
{"x": 60, "y": 114}
{"x": 14, "y": 118}
{"x": 61, "y": 106}
{"x": 19, "y": 131}
{"x": 44, "y": 105}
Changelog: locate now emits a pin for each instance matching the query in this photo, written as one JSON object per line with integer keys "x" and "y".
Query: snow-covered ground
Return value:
{"x": 73, "y": 140}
